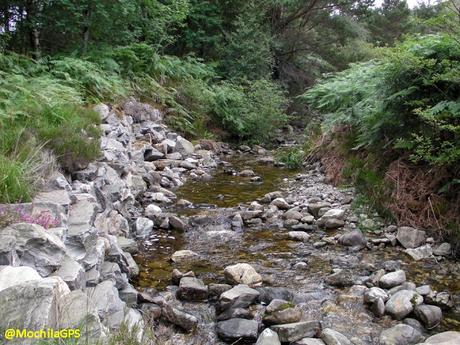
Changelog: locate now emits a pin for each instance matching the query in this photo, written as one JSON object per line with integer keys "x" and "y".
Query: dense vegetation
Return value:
{"x": 382, "y": 82}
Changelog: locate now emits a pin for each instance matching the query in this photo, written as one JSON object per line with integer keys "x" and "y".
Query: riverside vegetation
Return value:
{"x": 341, "y": 162}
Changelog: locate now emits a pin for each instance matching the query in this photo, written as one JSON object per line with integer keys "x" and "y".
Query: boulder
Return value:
{"x": 152, "y": 211}
{"x": 292, "y": 214}
{"x": 331, "y": 337}
{"x": 144, "y": 227}
{"x": 420, "y": 253}
{"x": 268, "y": 337}
{"x": 353, "y": 238}
{"x": 177, "y": 223}
{"x": 375, "y": 293}
{"x": 280, "y": 203}
{"x": 72, "y": 273}
{"x": 309, "y": 341}
{"x": 281, "y": 312}
{"x": 192, "y": 289}
{"x": 444, "y": 249}
{"x": 445, "y": 338}
{"x": 31, "y": 245}
{"x": 236, "y": 329}
{"x": 239, "y": 296}
{"x": 392, "y": 279}
{"x": 179, "y": 318}
{"x": 107, "y": 302}
{"x": 299, "y": 236}
{"x": 402, "y": 303}
{"x": 291, "y": 332}
{"x": 184, "y": 147}
{"x": 410, "y": 237}
{"x": 430, "y": 315}
{"x": 401, "y": 335}
{"x": 182, "y": 256}
{"x": 32, "y": 304}
{"x": 10, "y": 276}
{"x": 242, "y": 273}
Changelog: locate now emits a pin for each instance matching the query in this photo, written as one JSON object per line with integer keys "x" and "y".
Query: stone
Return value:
{"x": 141, "y": 112}
{"x": 430, "y": 315}
{"x": 103, "y": 110}
{"x": 72, "y": 273}
{"x": 341, "y": 278}
{"x": 177, "y": 223}
{"x": 331, "y": 337}
{"x": 314, "y": 208}
{"x": 299, "y": 236}
{"x": 242, "y": 273}
{"x": 292, "y": 215}
{"x": 235, "y": 313}
{"x": 392, "y": 279}
{"x": 32, "y": 304}
{"x": 215, "y": 290}
{"x": 152, "y": 211}
{"x": 192, "y": 289}
{"x": 281, "y": 312}
{"x": 420, "y": 253}
{"x": 144, "y": 227}
{"x": 441, "y": 299}
{"x": 240, "y": 296}
{"x": 402, "y": 303}
{"x": 152, "y": 154}
{"x": 236, "y": 329}
{"x": 333, "y": 218}
{"x": 25, "y": 244}
{"x": 423, "y": 290}
{"x": 133, "y": 268}
{"x": 400, "y": 335}
{"x": 179, "y": 318}
{"x": 291, "y": 332}
{"x": 106, "y": 300}
{"x": 445, "y": 338}
{"x": 247, "y": 173}
{"x": 280, "y": 203}
{"x": 444, "y": 249}
{"x": 128, "y": 245}
{"x": 410, "y": 237}
{"x": 77, "y": 309}
{"x": 128, "y": 295}
{"x": 268, "y": 337}
{"x": 414, "y": 323}
{"x": 309, "y": 341}
{"x": 375, "y": 293}
{"x": 10, "y": 276}
{"x": 182, "y": 256}
{"x": 112, "y": 271}
{"x": 112, "y": 223}
{"x": 352, "y": 238}
{"x": 184, "y": 147}
{"x": 59, "y": 196}
{"x": 378, "y": 307}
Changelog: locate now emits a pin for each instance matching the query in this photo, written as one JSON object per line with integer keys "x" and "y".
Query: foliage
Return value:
{"x": 251, "y": 111}
{"x": 406, "y": 101}
{"x": 292, "y": 157}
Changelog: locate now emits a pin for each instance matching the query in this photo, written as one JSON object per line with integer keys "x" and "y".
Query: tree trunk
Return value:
{"x": 86, "y": 28}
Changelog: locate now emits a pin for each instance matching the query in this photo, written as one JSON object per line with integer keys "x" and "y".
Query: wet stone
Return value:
{"x": 392, "y": 279}
{"x": 332, "y": 337}
{"x": 430, "y": 315}
{"x": 192, "y": 289}
{"x": 295, "y": 331}
{"x": 237, "y": 328}
{"x": 401, "y": 335}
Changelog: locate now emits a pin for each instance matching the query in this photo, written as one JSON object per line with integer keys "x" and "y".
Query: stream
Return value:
{"x": 268, "y": 248}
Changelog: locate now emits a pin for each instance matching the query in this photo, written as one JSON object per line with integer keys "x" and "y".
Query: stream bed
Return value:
{"x": 269, "y": 249}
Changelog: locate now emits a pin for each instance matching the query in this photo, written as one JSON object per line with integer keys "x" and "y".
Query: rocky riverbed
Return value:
{"x": 212, "y": 244}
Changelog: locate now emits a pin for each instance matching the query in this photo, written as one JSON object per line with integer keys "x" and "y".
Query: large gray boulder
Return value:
{"x": 107, "y": 302}
{"x": 281, "y": 312}
{"x": 235, "y": 329}
{"x": 179, "y": 318}
{"x": 184, "y": 147}
{"x": 31, "y": 245}
{"x": 32, "y": 305}
{"x": 402, "y": 303}
{"x": 445, "y": 338}
{"x": 291, "y": 332}
{"x": 192, "y": 289}
{"x": 239, "y": 296}
{"x": 401, "y": 335}
{"x": 10, "y": 276}
{"x": 430, "y": 315}
{"x": 392, "y": 279}
{"x": 410, "y": 237}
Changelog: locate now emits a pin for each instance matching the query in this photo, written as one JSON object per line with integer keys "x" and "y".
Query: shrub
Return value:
{"x": 292, "y": 157}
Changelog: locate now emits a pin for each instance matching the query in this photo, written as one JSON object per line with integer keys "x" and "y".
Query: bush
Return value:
{"x": 251, "y": 111}
{"x": 292, "y": 157}
{"x": 406, "y": 101}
